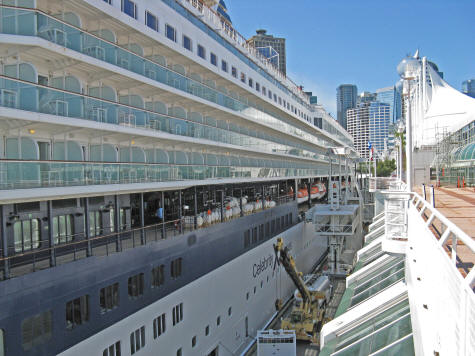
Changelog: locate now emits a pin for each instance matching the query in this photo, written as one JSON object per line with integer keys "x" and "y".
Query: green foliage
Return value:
{"x": 385, "y": 168}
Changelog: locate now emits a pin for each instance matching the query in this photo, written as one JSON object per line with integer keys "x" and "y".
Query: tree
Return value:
{"x": 386, "y": 167}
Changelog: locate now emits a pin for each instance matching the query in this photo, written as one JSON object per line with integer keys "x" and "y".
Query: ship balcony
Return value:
{"x": 24, "y": 95}
{"x": 151, "y": 70}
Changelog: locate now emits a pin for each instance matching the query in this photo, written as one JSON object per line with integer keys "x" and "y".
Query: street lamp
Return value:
{"x": 408, "y": 70}
{"x": 400, "y": 131}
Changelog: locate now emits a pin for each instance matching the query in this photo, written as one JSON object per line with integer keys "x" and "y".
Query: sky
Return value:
{"x": 333, "y": 42}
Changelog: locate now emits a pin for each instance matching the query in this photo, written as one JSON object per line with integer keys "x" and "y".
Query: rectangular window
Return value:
{"x": 268, "y": 229}
{"x": 280, "y": 101}
{"x": 77, "y": 311}
{"x": 254, "y": 235}
{"x": 137, "y": 340}
{"x": 193, "y": 341}
{"x": 175, "y": 268}
{"x": 250, "y": 82}
{"x": 234, "y": 72}
{"x": 63, "y": 229}
{"x": 35, "y": 330}
{"x": 95, "y": 223}
{"x": 213, "y": 59}
{"x": 282, "y": 222}
{"x": 201, "y": 51}
{"x": 224, "y": 66}
{"x": 247, "y": 238}
{"x": 277, "y": 225}
{"x": 258, "y": 87}
{"x": 290, "y": 218}
{"x": 112, "y": 350}
{"x": 177, "y": 313}
{"x": 109, "y": 297}
{"x": 122, "y": 218}
{"x": 243, "y": 77}
{"x": 151, "y": 21}
{"x": 129, "y": 8}
{"x": 275, "y": 98}
{"x": 264, "y": 90}
{"x": 261, "y": 232}
{"x": 170, "y": 32}
{"x": 187, "y": 43}
{"x": 158, "y": 276}
{"x": 135, "y": 285}
{"x": 269, "y": 94}
{"x": 26, "y": 235}
{"x": 159, "y": 326}
{"x": 272, "y": 227}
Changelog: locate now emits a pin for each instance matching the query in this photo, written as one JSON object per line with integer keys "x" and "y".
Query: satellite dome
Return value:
{"x": 408, "y": 67}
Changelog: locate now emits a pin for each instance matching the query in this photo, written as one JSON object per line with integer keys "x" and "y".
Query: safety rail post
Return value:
{"x": 424, "y": 191}
{"x": 432, "y": 195}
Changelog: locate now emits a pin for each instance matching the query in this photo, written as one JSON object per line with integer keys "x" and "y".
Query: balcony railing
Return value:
{"x": 17, "y": 174}
{"x": 35, "y": 23}
{"x": 18, "y": 94}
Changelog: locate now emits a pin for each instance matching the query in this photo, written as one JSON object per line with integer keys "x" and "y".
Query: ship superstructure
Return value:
{"x": 149, "y": 159}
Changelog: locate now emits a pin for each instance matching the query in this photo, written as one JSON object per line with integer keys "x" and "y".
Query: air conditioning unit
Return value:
{"x": 7, "y": 98}
{"x": 96, "y": 52}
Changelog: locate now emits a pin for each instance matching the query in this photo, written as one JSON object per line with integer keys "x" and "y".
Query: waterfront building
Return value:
{"x": 345, "y": 99}
{"x": 270, "y": 47}
{"x": 358, "y": 128}
{"x": 392, "y": 96}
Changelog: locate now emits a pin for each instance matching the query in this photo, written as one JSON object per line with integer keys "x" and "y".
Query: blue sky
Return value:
{"x": 330, "y": 42}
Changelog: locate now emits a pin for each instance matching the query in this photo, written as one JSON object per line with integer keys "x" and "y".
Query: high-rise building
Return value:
{"x": 270, "y": 47}
{"x": 365, "y": 97}
{"x": 345, "y": 99}
{"x": 369, "y": 122}
{"x": 468, "y": 87}
{"x": 391, "y": 96}
{"x": 358, "y": 127}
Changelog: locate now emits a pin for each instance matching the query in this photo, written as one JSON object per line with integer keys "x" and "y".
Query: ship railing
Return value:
{"x": 112, "y": 53}
{"x": 24, "y": 174}
{"x": 382, "y": 183}
{"x": 334, "y": 229}
{"x": 441, "y": 277}
{"x": 35, "y": 254}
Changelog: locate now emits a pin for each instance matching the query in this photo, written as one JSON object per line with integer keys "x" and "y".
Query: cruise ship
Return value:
{"x": 150, "y": 158}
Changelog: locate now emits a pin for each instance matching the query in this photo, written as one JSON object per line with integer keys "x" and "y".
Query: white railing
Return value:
{"x": 441, "y": 296}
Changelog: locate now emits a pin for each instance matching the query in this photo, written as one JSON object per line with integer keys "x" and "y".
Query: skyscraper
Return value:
{"x": 391, "y": 96}
{"x": 345, "y": 99}
{"x": 271, "y": 47}
{"x": 468, "y": 87}
{"x": 369, "y": 121}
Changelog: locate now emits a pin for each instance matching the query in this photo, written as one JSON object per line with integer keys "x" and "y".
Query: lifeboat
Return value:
{"x": 314, "y": 192}
{"x": 302, "y": 195}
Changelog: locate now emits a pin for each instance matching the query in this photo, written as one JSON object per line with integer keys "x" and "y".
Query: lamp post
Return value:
{"x": 400, "y": 130}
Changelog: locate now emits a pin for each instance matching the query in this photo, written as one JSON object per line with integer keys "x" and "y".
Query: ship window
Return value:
{"x": 213, "y": 59}
{"x": 277, "y": 225}
{"x": 177, "y": 313}
{"x": 247, "y": 238}
{"x": 35, "y": 330}
{"x": 290, "y": 218}
{"x": 269, "y": 94}
{"x": 254, "y": 235}
{"x": 251, "y": 82}
{"x": 280, "y": 101}
{"x": 187, "y": 43}
{"x": 193, "y": 341}
{"x": 218, "y": 321}
{"x": 262, "y": 284}
{"x": 108, "y": 1}
{"x": 201, "y": 51}
{"x": 175, "y": 270}
{"x": 158, "y": 276}
{"x": 282, "y": 222}
{"x": 247, "y": 296}
{"x": 151, "y": 21}
{"x": 224, "y": 66}
{"x": 268, "y": 229}
{"x": 130, "y": 8}
{"x": 77, "y": 311}
{"x": 63, "y": 229}
{"x": 137, "y": 340}
{"x": 234, "y": 72}
{"x": 109, "y": 297}
{"x": 159, "y": 326}
{"x": 170, "y": 32}
{"x": 264, "y": 90}
{"x": 255, "y": 289}
{"x": 275, "y": 98}
{"x": 286, "y": 220}
{"x": 178, "y": 352}
{"x": 258, "y": 86}
{"x": 26, "y": 235}
{"x": 207, "y": 330}
{"x": 261, "y": 232}
{"x": 95, "y": 223}
{"x": 272, "y": 227}
{"x": 230, "y": 311}
{"x": 243, "y": 77}
{"x": 135, "y": 285}
{"x": 112, "y": 350}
